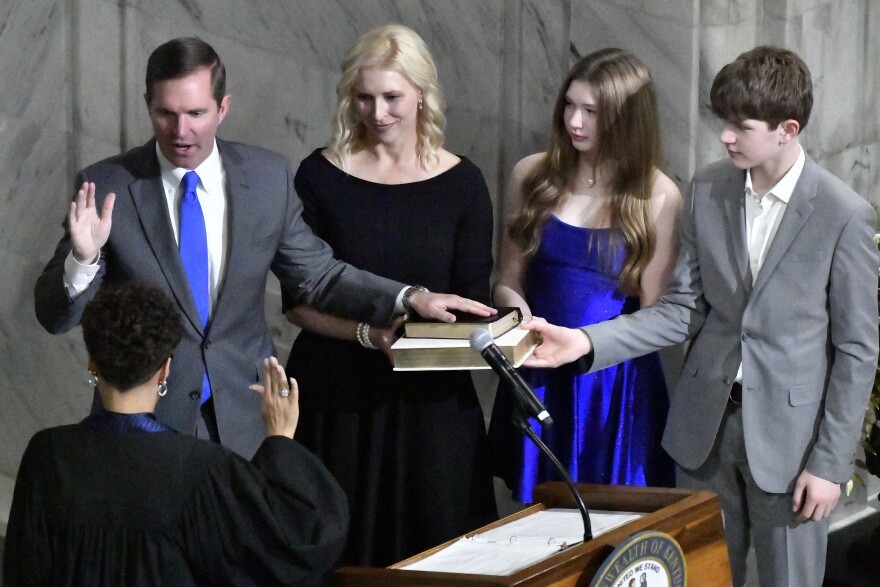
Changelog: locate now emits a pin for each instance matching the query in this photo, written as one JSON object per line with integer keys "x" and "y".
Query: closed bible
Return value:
{"x": 423, "y": 354}
{"x": 465, "y": 323}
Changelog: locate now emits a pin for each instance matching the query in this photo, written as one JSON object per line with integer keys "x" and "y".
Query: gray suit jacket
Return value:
{"x": 806, "y": 332}
{"x": 265, "y": 232}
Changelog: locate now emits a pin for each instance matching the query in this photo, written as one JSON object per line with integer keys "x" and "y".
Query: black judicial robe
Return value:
{"x": 99, "y": 505}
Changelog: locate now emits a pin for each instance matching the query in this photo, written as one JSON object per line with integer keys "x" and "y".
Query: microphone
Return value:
{"x": 481, "y": 341}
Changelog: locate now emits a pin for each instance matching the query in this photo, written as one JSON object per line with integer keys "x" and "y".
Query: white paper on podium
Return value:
{"x": 507, "y": 549}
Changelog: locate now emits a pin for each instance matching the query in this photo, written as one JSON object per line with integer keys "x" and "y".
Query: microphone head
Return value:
{"x": 480, "y": 339}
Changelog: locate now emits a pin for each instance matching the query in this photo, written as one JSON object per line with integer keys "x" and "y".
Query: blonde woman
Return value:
{"x": 592, "y": 233}
{"x": 408, "y": 448}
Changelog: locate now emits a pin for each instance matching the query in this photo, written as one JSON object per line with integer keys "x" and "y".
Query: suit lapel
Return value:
{"x": 798, "y": 210}
{"x": 148, "y": 196}
{"x": 734, "y": 215}
{"x": 239, "y": 225}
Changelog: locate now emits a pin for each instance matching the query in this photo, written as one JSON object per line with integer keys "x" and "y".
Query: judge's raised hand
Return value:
{"x": 280, "y": 407}
{"x": 558, "y": 345}
{"x": 88, "y": 230}
{"x": 437, "y": 306}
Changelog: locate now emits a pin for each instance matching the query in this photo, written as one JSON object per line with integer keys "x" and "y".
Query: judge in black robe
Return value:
{"x": 121, "y": 499}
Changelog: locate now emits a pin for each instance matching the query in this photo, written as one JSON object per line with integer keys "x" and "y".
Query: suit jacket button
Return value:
{"x": 195, "y": 395}
{"x": 726, "y": 381}
{"x": 207, "y": 344}
{"x": 745, "y": 337}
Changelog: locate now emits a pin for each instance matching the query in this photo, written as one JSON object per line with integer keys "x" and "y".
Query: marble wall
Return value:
{"x": 72, "y": 84}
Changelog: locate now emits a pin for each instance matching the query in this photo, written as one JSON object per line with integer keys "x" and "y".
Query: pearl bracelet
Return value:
{"x": 362, "y": 332}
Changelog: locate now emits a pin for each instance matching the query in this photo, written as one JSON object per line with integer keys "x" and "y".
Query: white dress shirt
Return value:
{"x": 763, "y": 215}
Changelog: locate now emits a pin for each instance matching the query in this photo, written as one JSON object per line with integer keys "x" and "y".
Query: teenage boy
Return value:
{"x": 776, "y": 287}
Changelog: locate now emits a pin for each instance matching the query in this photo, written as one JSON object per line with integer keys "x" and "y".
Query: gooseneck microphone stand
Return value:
{"x": 521, "y": 422}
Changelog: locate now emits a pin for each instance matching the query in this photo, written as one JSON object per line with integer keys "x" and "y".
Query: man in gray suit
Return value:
{"x": 249, "y": 221}
{"x": 776, "y": 287}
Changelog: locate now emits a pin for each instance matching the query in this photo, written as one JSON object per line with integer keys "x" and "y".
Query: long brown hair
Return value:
{"x": 629, "y": 142}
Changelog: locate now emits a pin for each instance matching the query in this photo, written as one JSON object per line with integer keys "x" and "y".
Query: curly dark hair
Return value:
{"x": 129, "y": 331}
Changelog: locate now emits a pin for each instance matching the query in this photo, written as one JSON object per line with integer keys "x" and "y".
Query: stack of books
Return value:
{"x": 431, "y": 345}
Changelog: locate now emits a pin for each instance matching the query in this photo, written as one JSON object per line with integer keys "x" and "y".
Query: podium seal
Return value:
{"x": 646, "y": 559}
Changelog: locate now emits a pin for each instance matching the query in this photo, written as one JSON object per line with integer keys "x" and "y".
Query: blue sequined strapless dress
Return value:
{"x": 608, "y": 424}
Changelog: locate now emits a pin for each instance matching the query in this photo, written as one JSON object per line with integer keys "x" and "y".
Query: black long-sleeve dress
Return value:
{"x": 122, "y": 500}
{"x": 408, "y": 448}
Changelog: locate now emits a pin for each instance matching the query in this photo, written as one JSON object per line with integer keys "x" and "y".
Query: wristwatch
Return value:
{"x": 406, "y": 301}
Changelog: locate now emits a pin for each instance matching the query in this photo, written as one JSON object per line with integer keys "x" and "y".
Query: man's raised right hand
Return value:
{"x": 88, "y": 230}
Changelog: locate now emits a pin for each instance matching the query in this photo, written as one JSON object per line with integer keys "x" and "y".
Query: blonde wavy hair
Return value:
{"x": 628, "y": 142}
{"x": 399, "y": 49}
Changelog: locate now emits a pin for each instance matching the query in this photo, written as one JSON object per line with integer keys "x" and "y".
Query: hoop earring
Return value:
{"x": 163, "y": 388}
{"x": 93, "y": 378}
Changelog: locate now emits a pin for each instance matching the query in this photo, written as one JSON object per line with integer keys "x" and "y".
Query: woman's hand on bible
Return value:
{"x": 383, "y": 338}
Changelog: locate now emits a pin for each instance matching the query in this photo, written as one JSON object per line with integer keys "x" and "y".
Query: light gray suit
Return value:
{"x": 805, "y": 332}
{"x": 265, "y": 231}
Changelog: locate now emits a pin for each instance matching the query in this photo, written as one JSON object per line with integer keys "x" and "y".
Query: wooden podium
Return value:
{"x": 693, "y": 518}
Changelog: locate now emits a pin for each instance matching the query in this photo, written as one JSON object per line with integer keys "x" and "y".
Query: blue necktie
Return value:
{"x": 194, "y": 253}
